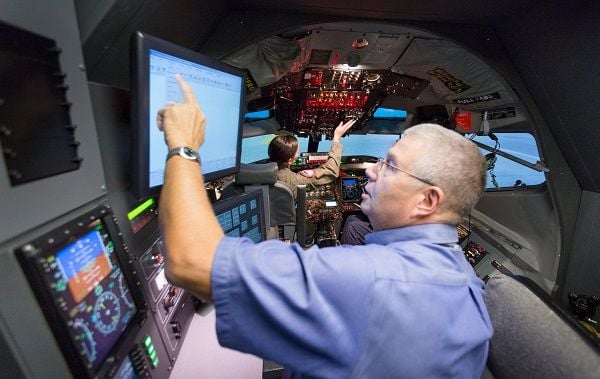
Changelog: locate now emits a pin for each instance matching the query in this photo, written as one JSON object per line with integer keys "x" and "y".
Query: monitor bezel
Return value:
{"x": 141, "y": 44}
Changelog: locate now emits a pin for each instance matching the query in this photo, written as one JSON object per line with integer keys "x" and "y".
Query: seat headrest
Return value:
{"x": 257, "y": 173}
{"x": 525, "y": 318}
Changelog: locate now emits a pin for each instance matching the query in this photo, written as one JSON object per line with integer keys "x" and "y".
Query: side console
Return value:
{"x": 170, "y": 306}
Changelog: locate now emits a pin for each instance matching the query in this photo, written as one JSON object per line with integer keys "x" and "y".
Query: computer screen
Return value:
{"x": 219, "y": 90}
{"x": 242, "y": 216}
{"x": 351, "y": 190}
{"x": 78, "y": 278}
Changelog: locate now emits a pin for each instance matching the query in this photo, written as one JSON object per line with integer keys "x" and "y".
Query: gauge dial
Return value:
{"x": 107, "y": 312}
{"x": 84, "y": 340}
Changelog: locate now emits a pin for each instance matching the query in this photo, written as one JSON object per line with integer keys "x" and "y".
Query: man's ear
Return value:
{"x": 431, "y": 200}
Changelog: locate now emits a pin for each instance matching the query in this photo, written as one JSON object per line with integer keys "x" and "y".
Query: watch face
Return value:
{"x": 188, "y": 153}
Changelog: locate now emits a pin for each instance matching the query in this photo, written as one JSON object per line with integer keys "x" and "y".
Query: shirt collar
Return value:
{"x": 432, "y": 233}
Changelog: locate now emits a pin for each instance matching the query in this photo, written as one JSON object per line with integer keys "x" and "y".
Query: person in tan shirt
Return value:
{"x": 283, "y": 149}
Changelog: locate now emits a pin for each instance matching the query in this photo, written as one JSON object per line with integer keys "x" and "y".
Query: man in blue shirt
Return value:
{"x": 405, "y": 305}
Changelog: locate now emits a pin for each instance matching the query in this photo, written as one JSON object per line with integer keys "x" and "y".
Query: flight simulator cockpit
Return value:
{"x": 85, "y": 290}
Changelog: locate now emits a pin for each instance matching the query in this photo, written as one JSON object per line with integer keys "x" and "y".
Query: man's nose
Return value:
{"x": 371, "y": 172}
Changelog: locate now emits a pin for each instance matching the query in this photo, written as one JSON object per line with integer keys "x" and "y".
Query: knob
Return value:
{"x": 176, "y": 327}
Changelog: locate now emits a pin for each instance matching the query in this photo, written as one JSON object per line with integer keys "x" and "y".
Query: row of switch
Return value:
{"x": 139, "y": 354}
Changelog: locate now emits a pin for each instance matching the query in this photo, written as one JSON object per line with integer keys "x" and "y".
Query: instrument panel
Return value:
{"x": 328, "y": 205}
{"x": 314, "y": 101}
{"x": 77, "y": 272}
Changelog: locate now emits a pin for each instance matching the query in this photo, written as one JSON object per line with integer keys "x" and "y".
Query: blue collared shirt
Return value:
{"x": 406, "y": 305}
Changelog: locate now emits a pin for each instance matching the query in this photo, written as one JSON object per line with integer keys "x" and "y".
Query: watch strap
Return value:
{"x": 184, "y": 152}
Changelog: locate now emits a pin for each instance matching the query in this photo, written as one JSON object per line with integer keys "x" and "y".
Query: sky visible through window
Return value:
{"x": 376, "y": 145}
{"x": 506, "y": 172}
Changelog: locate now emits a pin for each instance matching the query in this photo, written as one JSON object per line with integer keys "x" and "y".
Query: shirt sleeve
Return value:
{"x": 324, "y": 174}
{"x": 296, "y": 307}
{"x": 330, "y": 170}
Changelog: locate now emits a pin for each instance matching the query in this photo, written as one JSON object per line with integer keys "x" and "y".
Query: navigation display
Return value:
{"x": 82, "y": 279}
{"x": 94, "y": 298}
{"x": 351, "y": 190}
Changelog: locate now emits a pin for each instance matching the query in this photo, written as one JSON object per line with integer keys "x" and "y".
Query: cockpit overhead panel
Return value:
{"x": 314, "y": 101}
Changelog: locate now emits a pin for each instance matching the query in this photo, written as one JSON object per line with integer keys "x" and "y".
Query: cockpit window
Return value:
{"x": 255, "y": 148}
{"x": 375, "y": 145}
{"x": 505, "y": 173}
{"x": 259, "y": 115}
{"x": 390, "y": 114}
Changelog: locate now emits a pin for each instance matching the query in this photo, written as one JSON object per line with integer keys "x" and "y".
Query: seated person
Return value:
{"x": 283, "y": 149}
{"x": 356, "y": 227}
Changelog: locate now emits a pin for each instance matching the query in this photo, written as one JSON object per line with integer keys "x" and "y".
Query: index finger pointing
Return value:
{"x": 188, "y": 94}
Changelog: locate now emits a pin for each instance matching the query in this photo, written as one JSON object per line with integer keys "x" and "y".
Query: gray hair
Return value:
{"x": 453, "y": 163}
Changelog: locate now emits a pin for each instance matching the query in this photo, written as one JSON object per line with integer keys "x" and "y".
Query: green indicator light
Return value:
{"x": 140, "y": 208}
{"x": 150, "y": 349}
{"x": 60, "y": 285}
{"x": 147, "y": 341}
{"x": 152, "y": 355}
{"x": 154, "y": 362}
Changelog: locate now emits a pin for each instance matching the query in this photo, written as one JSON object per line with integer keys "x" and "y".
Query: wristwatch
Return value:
{"x": 184, "y": 152}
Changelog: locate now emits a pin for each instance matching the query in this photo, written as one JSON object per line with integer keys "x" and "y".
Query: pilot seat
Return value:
{"x": 533, "y": 336}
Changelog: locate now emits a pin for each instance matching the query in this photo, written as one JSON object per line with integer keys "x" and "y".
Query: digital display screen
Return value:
{"x": 242, "y": 216}
{"x": 350, "y": 181}
{"x": 218, "y": 94}
{"x": 219, "y": 89}
{"x": 330, "y": 203}
{"x": 92, "y": 296}
{"x": 126, "y": 370}
{"x": 351, "y": 190}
